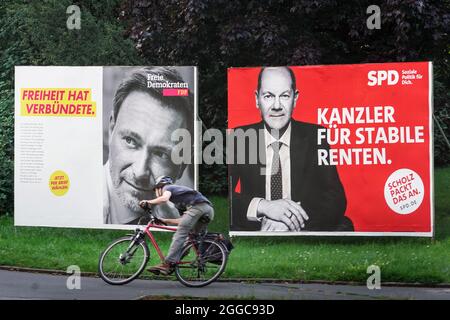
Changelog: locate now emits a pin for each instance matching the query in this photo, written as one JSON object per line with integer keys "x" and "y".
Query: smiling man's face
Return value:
{"x": 276, "y": 98}
{"x": 140, "y": 147}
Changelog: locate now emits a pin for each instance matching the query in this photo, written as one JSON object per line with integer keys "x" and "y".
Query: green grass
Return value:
{"x": 298, "y": 258}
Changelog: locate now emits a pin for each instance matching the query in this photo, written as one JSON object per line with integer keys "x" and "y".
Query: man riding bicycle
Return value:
{"x": 198, "y": 212}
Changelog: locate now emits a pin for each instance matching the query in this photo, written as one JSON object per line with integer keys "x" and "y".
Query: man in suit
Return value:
{"x": 286, "y": 190}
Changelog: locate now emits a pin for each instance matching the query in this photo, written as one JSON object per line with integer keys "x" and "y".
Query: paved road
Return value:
{"x": 24, "y": 285}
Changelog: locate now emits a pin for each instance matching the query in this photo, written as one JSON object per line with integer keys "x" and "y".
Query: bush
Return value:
{"x": 35, "y": 33}
{"x": 6, "y": 151}
{"x": 441, "y": 146}
{"x": 442, "y": 117}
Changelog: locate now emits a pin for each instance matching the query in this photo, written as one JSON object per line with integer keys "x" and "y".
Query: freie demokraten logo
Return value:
{"x": 157, "y": 81}
{"x": 392, "y": 77}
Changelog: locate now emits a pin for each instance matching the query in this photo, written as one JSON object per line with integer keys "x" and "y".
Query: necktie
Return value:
{"x": 276, "y": 183}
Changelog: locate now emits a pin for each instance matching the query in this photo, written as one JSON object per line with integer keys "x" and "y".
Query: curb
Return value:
{"x": 244, "y": 280}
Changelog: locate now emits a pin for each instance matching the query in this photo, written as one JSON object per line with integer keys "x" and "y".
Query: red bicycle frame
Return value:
{"x": 155, "y": 244}
{"x": 152, "y": 238}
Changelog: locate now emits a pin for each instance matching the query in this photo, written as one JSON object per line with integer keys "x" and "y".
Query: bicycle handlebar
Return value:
{"x": 145, "y": 206}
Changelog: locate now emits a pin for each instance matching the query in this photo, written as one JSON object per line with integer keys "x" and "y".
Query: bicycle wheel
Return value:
{"x": 123, "y": 260}
{"x": 195, "y": 269}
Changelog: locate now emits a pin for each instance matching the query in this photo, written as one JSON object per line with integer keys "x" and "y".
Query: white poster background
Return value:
{"x": 71, "y": 144}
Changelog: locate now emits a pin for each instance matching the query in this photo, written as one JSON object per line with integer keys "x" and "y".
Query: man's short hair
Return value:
{"x": 137, "y": 81}
{"x": 291, "y": 73}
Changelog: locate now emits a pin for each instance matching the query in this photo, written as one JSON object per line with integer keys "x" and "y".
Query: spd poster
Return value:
{"x": 331, "y": 150}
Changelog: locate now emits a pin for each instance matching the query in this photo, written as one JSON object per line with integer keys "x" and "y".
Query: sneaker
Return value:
{"x": 163, "y": 268}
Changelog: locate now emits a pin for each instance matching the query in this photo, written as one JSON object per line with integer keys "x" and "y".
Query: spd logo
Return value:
{"x": 376, "y": 78}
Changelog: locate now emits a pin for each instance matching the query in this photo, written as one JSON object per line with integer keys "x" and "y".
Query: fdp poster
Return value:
{"x": 90, "y": 142}
{"x": 331, "y": 150}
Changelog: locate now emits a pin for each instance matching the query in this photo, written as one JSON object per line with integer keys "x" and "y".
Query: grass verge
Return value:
{"x": 298, "y": 258}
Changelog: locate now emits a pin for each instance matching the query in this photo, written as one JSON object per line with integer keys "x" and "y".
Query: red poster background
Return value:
{"x": 338, "y": 86}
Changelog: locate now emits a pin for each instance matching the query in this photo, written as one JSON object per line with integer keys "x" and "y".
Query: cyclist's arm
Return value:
{"x": 161, "y": 199}
{"x": 171, "y": 221}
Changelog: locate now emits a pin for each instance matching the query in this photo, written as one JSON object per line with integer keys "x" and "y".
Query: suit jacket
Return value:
{"x": 318, "y": 188}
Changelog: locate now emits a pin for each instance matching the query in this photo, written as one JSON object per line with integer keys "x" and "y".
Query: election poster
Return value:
{"x": 91, "y": 141}
{"x": 331, "y": 150}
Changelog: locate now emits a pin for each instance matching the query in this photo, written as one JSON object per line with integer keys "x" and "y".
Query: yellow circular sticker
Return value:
{"x": 59, "y": 183}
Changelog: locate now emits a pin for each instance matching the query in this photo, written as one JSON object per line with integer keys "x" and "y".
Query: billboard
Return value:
{"x": 90, "y": 142}
{"x": 331, "y": 150}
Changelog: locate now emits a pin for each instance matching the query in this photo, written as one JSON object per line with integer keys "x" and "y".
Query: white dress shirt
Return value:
{"x": 285, "y": 170}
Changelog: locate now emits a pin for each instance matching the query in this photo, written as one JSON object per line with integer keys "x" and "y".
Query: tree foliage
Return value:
{"x": 35, "y": 33}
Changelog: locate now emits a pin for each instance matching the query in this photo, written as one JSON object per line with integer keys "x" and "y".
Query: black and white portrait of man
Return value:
{"x": 138, "y": 121}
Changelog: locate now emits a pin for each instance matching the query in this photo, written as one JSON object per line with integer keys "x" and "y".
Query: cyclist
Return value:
{"x": 198, "y": 212}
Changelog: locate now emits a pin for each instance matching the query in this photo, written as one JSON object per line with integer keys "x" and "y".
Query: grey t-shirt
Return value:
{"x": 183, "y": 196}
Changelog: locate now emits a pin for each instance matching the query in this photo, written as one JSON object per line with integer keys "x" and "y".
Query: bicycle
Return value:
{"x": 202, "y": 260}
